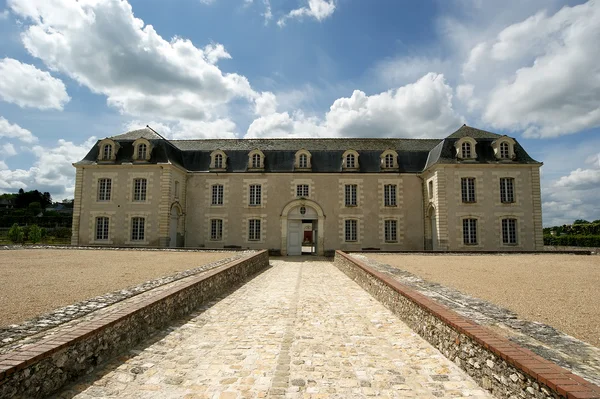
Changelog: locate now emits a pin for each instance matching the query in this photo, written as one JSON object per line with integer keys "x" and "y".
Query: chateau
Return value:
{"x": 473, "y": 190}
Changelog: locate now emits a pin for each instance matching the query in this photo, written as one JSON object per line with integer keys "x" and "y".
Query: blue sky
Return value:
{"x": 73, "y": 72}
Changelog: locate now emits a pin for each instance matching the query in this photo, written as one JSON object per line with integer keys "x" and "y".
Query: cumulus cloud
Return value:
{"x": 580, "y": 179}
{"x": 3, "y": 14}
{"x": 27, "y": 86}
{"x": 317, "y": 9}
{"x": 187, "y": 130}
{"x": 8, "y": 150}
{"x": 9, "y": 130}
{"x": 266, "y": 103}
{"x": 102, "y": 45}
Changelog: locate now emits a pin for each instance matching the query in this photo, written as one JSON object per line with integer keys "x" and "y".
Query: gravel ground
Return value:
{"x": 35, "y": 281}
{"x": 562, "y": 291}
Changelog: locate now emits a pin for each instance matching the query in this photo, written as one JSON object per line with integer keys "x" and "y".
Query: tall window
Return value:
{"x": 350, "y": 161}
{"x": 468, "y": 189}
{"x": 389, "y": 195}
{"x": 389, "y": 161}
{"x": 430, "y": 186}
{"x": 137, "y": 229}
{"x": 466, "y": 150}
{"x": 139, "y": 189}
{"x": 507, "y": 193}
{"x": 302, "y": 191}
{"x": 470, "y": 231}
{"x": 102, "y": 228}
{"x": 176, "y": 189}
{"x": 504, "y": 152}
{"x": 391, "y": 231}
{"x": 217, "y": 194}
{"x": 216, "y": 229}
{"x": 104, "y": 186}
{"x": 219, "y": 161}
{"x": 303, "y": 161}
{"x": 254, "y": 230}
{"x": 141, "y": 151}
{"x": 350, "y": 194}
{"x": 107, "y": 152}
{"x": 256, "y": 160}
{"x": 350, "y": 232}
{"x": 509, "y": 231}
{"x": 255, "y": 194}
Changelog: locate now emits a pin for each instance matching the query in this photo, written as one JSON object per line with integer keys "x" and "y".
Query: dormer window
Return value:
{"x": 350, "y": 160}
{"x": 465, "y": 149}
{"x": 504, "y": 154}
{"x": 218, "y": 160}
{"x": 107, "y": 150}
{"x": 303, "y": 160}
{"x": 504, "y": 148}
{"x": 142, "y": 150}
{"x": 389, "y": 160}
{"x": 256, "y": 160}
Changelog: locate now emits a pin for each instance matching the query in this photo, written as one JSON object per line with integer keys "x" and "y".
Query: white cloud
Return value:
{"x": 317, "y": 9}
{"x": 266, "y": 103}
{"x": 15, "y": 131}
{"x": 103, "y": 46}
{"x": 3, "y": 14}
{"x": 185, "y": 130}
{"x": 8, "y": 150}
{"x": 27, "y": 86}
{"x": 580, "y": 179}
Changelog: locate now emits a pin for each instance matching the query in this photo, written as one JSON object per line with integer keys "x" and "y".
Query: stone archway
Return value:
{"x": 175, "y": 220}
{"x": 431, "y": 229}
{"x": 314, "y": 211}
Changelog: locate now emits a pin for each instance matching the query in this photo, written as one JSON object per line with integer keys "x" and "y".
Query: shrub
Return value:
{"x": 573, "y": 240}
{"x": 15, "y": 234}
{"x": 62, "y": 232}
{"x": 35, "y": 234}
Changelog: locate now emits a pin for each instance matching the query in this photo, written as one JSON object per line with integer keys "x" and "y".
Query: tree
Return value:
{"x": 15, "y": 233}
{"x": 35, "y": 234}
{"x": 581, "y": 221}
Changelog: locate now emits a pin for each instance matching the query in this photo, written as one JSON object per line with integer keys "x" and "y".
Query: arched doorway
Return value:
{"x": 302, "y": 222}
{"x": 433, "y": 229}
{"x": 174, "y": 223}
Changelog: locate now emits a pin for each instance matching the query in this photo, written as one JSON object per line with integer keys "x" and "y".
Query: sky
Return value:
{"x": 75, "y": 72}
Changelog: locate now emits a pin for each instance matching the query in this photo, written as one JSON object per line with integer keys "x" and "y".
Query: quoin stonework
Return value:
{"x": 473, "y": 190}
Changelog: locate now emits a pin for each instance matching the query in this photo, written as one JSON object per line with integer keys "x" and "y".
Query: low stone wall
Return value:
{"x": 504, "y": 368}
{"x": 40, "y": 369}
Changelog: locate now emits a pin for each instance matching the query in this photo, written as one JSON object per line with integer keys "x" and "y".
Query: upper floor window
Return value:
{"x": 509, "y": 231}
{"x": 350, "y": 194}
{"x": 256, "y": 159}
{"x": 104, "y": 189}
{"x": 137, "y": 228}
{"x": 389, "y": 195}
{"x": 139, "y": 189}
{"x": 467, "y": 185}
{"x": 470, "y": 231}
{"x": 351, "y": 230}
{"x": 219, "y": 161}
{"x": 389, "y": 160}
{"x": 350, "y": 160}
{"x": 217, "y": 194}
{"x": 255, "y": 194}
{"x": 391, "y": 230}
{"x": 303, "y": 161}
{"x": 216, "y": 229}
{"x": 466, "y": 150}
{"x": 302, "y": 191}
{"x": 176, "y": 189}
{"x": 102, "y": 228}
{"x": 142, "y": 150}
{"x": 504, "y": 150}
{"x": 107, "y": 152}
{"x": 507, "y": 192}
{"x": 430, "y": 189}
{"x": 254, "y": 230}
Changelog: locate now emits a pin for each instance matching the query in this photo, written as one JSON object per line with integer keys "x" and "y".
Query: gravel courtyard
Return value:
{"x": 35, "y": 281}
{"x": 559, "y": 290}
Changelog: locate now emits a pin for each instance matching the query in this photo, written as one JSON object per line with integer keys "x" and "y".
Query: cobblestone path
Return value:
{"x": 298, "y": 330}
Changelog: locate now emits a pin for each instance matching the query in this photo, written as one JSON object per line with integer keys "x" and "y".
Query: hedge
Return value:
{"x": 573, "y": 240}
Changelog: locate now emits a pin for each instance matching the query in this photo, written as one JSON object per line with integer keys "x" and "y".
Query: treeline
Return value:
{"x": 34, "y": 207}
{"x": 581, "y": 233}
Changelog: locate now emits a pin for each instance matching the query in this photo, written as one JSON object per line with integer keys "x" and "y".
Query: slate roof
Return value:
{"x": 414, "y": 155}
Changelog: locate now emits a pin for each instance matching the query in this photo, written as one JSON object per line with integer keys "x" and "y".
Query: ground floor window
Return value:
{"x": 351, "y": 230}
{"x": 102, "y": 228}
{"x": 254, "y": 230}
{"x": 391, "y": 231}
{"x": 509, "y": 231}
{"x": 470, "y": 231}
{"x": 216, "y": 229}
{"x": 137, "y": 229}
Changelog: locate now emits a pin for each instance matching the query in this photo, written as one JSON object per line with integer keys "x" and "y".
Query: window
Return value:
{"x": 104, "y": 189}
{"x": 389, "y": 161}
{"x": 350, "y": 161}
{"x": 107, "y": 152}
{"x": 102, "y": 228}
{"x": 350, "y": 194}
{"x": 176, "y": 189}
{"x": 430, "y": 184}
{"x": 254, "y": 230}
{"x": 468, "y": 189}
{"x": 255, "y": 194}
{"x": 219, "y": 161}
{"x": 303, "y": 161}
{"x": 390, "y": 231}
{"x": 509, "y": 231}
{"x": 216, "y": 229}
{"x": 504, "y": 150}
{"x": 302, "y": 191}
{"x": 141, "y": 151}
{"x": 256, "y": 161}
{"x": 217, "y": 194}
{"x": 389, "y": 195}
{"x": 470, "y": 231}
{"x": 466, "y": 150}
{"x": 507, "y": 193}
{"x": 351, "y": 230}
{"x": 139, "y": 189}
{"x": 137, "y": 229}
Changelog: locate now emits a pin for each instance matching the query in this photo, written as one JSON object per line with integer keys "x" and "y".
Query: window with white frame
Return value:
{"x": 255, "y": 194}
{"x": 389, "y": 195}
{"x": 216, "y": 229}
{"x": 102, "y": 228}
{"x": 391, "y": 230}
{"x": 470, "y": 231}
{"x": 303, "y": 161}
{"x": 139, "y": 189}
{"x": 142, "y": 150}
{"x": 254, "y": 230}
{"x": 350, "y": 161}
{"x": 351, "y": 230}
{"x": 217, "y": 194}
{"x": 504, "y": 150}
{"x": 137, "y": 228}
{"x": 466, "y": 150}
{"x": 104, "y": 188}
{"x": 350, "y": 194}
{"x": 107, "y": 152}
{"x": 509, "y": 231}
{"x": 507, "y": 190}
{"x": 256, "y": 161}
{"x": 302, "y": 191}
{"x": 467, "y": 185}
{"x": 389, "y": 161}
{"x": 218, "y": 161}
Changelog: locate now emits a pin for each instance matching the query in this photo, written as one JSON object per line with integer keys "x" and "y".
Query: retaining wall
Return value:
{"x": 504, "y": 368}
{"x": 40, "y": 369}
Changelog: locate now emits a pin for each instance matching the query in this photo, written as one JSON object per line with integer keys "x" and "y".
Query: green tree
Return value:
{"x": 15, "y": 233}
{"x": 581, "y": 221}
{"x": 35, "y": 234}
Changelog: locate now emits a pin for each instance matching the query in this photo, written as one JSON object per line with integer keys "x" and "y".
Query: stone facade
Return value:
{"x": 403, "y": 194}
